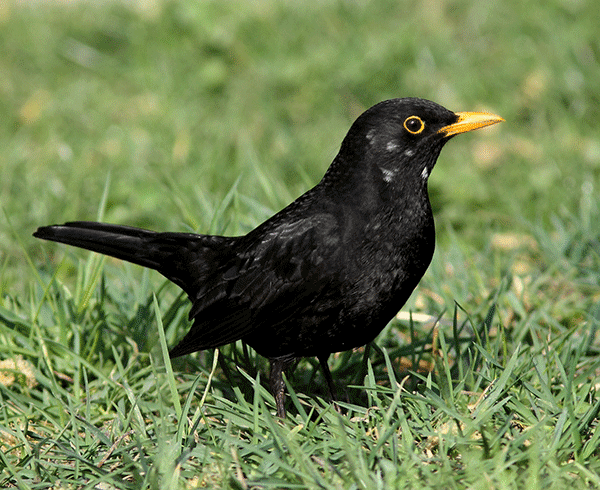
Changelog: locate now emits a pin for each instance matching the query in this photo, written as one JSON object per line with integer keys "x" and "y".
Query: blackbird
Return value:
{"x": 326, "y": 273}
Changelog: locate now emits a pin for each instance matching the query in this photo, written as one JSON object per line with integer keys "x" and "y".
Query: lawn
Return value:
{"x": 211, "y": 116}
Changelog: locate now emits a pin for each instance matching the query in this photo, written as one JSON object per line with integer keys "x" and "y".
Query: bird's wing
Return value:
{"x": 275, "y": 274}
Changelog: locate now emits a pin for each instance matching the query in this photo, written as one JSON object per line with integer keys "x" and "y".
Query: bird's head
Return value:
{"x": 403, "y": 137}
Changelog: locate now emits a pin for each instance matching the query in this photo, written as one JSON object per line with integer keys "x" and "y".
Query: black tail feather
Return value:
{"x": 181, "y": 257}
{"x": 123, "y": 242}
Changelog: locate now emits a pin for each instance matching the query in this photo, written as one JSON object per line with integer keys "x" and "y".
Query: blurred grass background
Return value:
{"x": 175, "y": 104}
{"x": 162, "y": 94}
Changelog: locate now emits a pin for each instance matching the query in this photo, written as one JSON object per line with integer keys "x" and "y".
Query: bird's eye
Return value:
{"x": 414, "y": 124}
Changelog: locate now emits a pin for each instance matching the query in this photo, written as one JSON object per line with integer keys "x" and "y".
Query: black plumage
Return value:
{"x": 326, "y": 273}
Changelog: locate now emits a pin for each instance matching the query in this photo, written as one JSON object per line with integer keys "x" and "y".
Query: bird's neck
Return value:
{"x": 373, "y": 185}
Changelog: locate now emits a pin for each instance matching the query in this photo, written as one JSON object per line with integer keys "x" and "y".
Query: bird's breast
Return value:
{"x": 393, "y": 253}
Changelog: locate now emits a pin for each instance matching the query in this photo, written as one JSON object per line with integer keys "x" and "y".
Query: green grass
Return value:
{"x": 210, "y": 117}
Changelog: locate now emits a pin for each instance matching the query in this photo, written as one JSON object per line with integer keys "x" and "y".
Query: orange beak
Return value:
{"x": 469, "y": 121}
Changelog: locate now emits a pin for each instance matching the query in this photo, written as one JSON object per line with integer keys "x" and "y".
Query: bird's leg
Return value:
{"x": 330, "y": 384}
{"x": 277, "y": 384}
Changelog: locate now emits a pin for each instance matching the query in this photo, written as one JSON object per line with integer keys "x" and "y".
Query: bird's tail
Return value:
{"x": 171, "y": 254}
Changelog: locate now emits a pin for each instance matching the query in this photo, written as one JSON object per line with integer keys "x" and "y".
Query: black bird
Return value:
{"x": 326, "y": 273}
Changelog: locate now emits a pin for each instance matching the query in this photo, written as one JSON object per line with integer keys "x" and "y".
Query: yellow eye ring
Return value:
{"x": 414, "y": 124}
